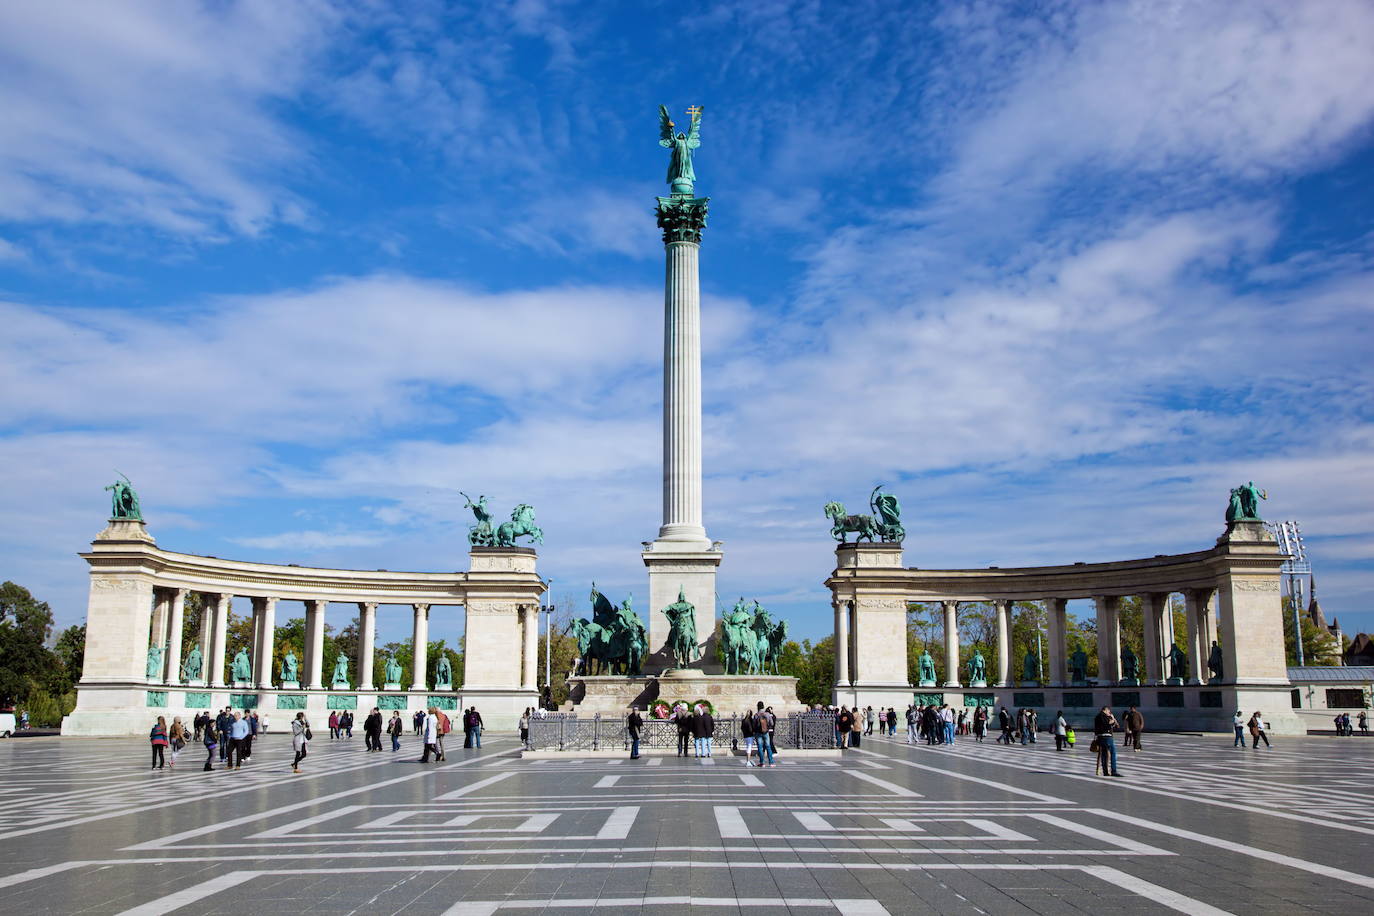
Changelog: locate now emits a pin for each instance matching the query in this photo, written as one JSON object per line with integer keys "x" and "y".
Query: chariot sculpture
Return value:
{"x": 484, "y": 534}
{"x": 885, "y": 524}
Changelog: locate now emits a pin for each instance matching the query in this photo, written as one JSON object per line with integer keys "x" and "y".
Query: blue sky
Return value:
{"x": 1059, "y": 274}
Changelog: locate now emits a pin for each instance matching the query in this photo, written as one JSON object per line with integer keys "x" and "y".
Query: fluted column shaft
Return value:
{"x": 1154, "y": 605}
{"x": 951, "y": 609}
{"x": 841, "y": 644}
{"x": 419, "y": 642}
{"x": 216, "y": 657}
{"x": 266, "y": 644}
{"x": 1003, "y": 643}
{"x": 682, "y": 395}
{"x": 1108, "y": 639}
{"x": 174, "y": 623}
{"x": 314, "y": 627}
{"x": 367, "y": 636}
{"x": 1056, "y": 627}
{"x": 1198, "y": 602}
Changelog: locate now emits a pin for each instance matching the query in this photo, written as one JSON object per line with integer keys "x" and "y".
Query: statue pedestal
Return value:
{"x": 196, "y": 682}
{"x": 339, "y": 687}
{"x": 443, "y": 687}
{"x": 290, "y": 685}
{"x": 1027, "y": 683}
{"x": 242, "y": 685}
{"x": 925, "y": 684}
{"x": 1129, "y": 682}
{"x": 977, "y": 683}
{"x": 391, "y": 686}
{"x": 1173, "y": 682}
{"x": 1078, "y": 682}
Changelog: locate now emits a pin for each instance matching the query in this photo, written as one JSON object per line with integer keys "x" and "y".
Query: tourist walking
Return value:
{"x": 763, "y": 736}
{"x": 158, "y": 738}
{"x": 395, "y": 728}
{"x": 844, "y": 724}
{"x": 419, "y": 722}
{"x": 176, "y": 739}
{"x": 238, "y": 742}
{"x": 1105, "y": 743}
{"x": 633, "y": 723}
{"x": 372, "y": 730}
{"x": 704, "y": 728}
{"x": 333, "y": 726}
{"x": 1238, "y": 720}
{"x": 346, "y": 724}
{"x": 300, "y": 740}
{"x": 869, "y": 718}
{"x": 683, "y": 717}
{"x": 947, "y": 718}
{"x": 211, "y": 739}
{"x": 911, "y": 724}
{"x": 1364, "y": 723}
{"x": 262, "y": 724}
{"x": 223, "y": 721}
{"x": 746, "y": 731}
{"x": 525, "y": 728}
{"x": 445, "y": 726}
{"x": 891, "y": 722}
{"x": 980, "y": 724}
{"x": 1135, "y": 726}
{"x": 1061, "y": 731}
{"x": 1257, "y": 731}
{"x": 430, "y": 735}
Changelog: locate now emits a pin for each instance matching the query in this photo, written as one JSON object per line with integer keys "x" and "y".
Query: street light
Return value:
{"x": 1289, "y": 536}
{"x": 548, "y": 637}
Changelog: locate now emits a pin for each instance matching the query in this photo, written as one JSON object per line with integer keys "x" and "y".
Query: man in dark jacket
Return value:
{"x": 686, "y": 730}
{"x": 704, "y": 727}
{"x": 633, "y": 723}
{"x": 844, "y": 724}
{"x": 372, "y": 730}
{"x": 222, "y": 723}
{"x": 1103, "y": 726}
{"x": 1004, "y": 720}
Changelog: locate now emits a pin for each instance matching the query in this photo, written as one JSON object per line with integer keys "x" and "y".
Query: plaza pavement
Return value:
{"x": 1196, "y": 826}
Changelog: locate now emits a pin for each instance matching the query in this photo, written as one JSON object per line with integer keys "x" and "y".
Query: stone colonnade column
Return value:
{"x": 420, "y": 647}
{"x": 1154, "y": 605}
{"x": 1108, "y": 639}
{"x": 174, "y": 621}
{"x": 529, "y": 620}
{"x": 267, "y": 644}
{"x": 951, "y": 609}
{"x": 314, "y": 652}
{"x": 1056, "y": 626}
{"x": 158, "y": 633}
{"x": 1003, "y": 608}
{"x": 367, "y": 636}
{"x": 682, "y": 395}
{"x": 207, "y": 635}
{"x": 216, "y": 658}
{"x": 841, "y": 643}
{"x": 255, "y": 654}
{"x": 1198, "y": 603}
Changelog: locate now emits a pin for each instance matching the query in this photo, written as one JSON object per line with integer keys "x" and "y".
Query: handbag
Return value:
{"x": 308, "y": 735}
{"x": 1094, "y": 747}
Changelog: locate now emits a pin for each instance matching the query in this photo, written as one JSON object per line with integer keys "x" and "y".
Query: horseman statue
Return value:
{"x": 738, "y": 641}
{"x": 483, "y": 534}
{"x": 885, "y": 524}
{"x": 613, "y": 641}
{"x": 682, "y": 632}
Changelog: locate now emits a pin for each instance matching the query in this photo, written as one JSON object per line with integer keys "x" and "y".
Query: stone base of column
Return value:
{"x": 896, "y": 696}
{"x": 689, "y": 566}
{"x": 500, "y": 708}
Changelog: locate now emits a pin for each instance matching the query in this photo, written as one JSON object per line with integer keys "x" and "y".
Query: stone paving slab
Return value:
{"x": 1195, "y": 826}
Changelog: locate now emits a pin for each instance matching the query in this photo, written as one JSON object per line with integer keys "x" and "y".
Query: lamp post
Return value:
{"x": 548, "y": 637}
{"x": 1289, "y": 536}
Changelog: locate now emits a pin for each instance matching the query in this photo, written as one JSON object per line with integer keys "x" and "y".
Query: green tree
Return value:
{"x": 70, "y": 650}
{"x": 25, "y": 662}
{"x": 813, "y": 666}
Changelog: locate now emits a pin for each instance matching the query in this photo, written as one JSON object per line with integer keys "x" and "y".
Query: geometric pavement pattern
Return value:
{"x": 1196, "y": 826}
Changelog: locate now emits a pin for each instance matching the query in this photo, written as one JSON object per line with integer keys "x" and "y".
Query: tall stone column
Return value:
{"x": 1154, "y": 605}
{"x": 1108, "y": 640}
{"x": 420, "y": 647}
{"x": 207, "y": 635}
{"x": 1197, "y": 603}
{"x": 255, "y": 654}
{"x": 841, "y": 643}
{"x": 158, "y": 633}
{"x": 1057, "y": 625}
{"x": 1003, "y": 608}
{"x": 530, "y": 634}
{"x": 314, "y": 653}
{"x": 951, "y": 609}
{"x": 266, "y": 644}
{"x": 682, "y": 558}
{"x": 219, "y": 654}
{"x": 177, "y": 598}
{"x": 367, "y": 636}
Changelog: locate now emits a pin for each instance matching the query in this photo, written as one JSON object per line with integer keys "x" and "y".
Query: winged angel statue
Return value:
{"x": 681, "y": 176}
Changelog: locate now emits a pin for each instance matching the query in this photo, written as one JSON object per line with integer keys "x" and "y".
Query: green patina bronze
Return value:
{"x": 241, "y": 668}
{"x": 682, "y": 175}
{"x": 1030, "y": 667}
{"x": 243, "y": 700}
{"x": 1130, "y": 667}
{"x": 154, "y": 668}
{"x": 613, "y": 641}
{"x": 925, "y": 665}
{"x": 448, "y": 704}
{"x": 682, "y": 630}
{"x": 738, "y": 641}
{"x": 340, "y": 677}
{"x": 198, "y": 701}
{"x": 977, "y": 668}
{"x": 1078, "y": 667}
{"x": 1244, "y": 503}
{"x": 157, "y": 698}
{"x": 885, "y": 524}
{"x": 443, "y": 676}
{"x": 290, "y": 668}
{"x": 681, "y": 215}
{"x": 393, "y": 671}
{"x": 484, "y": 534}
{"x": 392, "y": 701}
{"x": 1178, "y": 661}
{"x": 341, "y": 701}
{"x": 123, "y": 500}
{"x": 291, "y": 701}
{"x": 190, "y": 669}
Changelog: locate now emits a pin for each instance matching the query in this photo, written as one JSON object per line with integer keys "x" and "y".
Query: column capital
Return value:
{"x": 682, "y": 218}
{"x": 949, "y": 603}
{"x": 368, "y": 605}
{"x": 420, "y": 606}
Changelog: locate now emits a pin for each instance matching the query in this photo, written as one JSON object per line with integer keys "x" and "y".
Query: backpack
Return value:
{"x": 445, "y": 726}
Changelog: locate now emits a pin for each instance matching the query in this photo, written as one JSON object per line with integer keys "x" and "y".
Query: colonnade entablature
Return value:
{"x": 1231, "y": 594}
{"x": 135, "y": 620}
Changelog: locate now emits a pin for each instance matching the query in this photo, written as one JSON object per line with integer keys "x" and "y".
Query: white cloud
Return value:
{"x": 311, "y": 540}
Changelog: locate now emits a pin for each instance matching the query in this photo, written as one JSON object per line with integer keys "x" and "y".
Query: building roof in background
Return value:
{"x": 1336, "y": 673}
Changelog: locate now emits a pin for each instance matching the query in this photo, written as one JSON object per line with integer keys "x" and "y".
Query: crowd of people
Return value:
{"x": 228, "y": 735}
